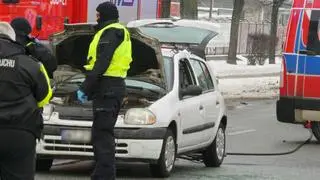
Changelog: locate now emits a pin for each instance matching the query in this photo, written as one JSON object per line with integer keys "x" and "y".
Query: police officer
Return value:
{"x": 109, "y": 60}
{"x": 33, "y": 47}
{"x": 24, "y": 89}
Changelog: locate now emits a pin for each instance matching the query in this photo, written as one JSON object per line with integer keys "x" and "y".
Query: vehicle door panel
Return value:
{"x": 209, "y": 101}
{"x": 189, "y": 109}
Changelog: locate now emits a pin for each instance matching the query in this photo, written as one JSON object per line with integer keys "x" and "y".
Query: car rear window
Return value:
{"x": 176, "y": 34}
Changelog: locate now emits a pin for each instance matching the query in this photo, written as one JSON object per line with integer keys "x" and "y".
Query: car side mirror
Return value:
{"x": 39, "y": 23}
{"x": 191, "y": 91}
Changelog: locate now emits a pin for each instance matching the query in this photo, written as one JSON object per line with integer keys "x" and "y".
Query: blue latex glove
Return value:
{"x": 81, "y": 96}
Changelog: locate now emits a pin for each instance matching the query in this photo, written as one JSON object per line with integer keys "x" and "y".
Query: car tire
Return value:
{"x": 163, "y": 168}
{"x": 43, "y": 165}
{"x": 214, "y": 154}
{"x": 316, "y": 130}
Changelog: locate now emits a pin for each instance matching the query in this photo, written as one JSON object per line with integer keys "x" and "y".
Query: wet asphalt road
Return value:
{"x": 252, "y": 128}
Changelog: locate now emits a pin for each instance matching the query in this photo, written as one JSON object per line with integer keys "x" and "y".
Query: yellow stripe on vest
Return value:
{"x": 49, "y": 95}
{"x": 29, "y": 44}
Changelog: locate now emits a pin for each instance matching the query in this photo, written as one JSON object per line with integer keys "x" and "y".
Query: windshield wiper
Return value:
{"x": 149, "y": 81}
{"x": 143, "y": 89}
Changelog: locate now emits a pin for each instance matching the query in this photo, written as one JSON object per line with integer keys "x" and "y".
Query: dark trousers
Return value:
{"x": 17, "y": 155}
{"x": 106, "y": 108}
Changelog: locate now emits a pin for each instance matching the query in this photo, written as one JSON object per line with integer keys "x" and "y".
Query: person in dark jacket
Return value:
{"x": 33, "y": 47}
{"x": 24, "y": 90}
{"x": 109, "y": 59}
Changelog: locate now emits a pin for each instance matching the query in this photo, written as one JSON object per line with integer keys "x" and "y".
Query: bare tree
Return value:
{"x": 273, "y": 30}
{"x": 166, "y": 5}
{"x": 233, "y": 44}
{"x": 189, "y": 9}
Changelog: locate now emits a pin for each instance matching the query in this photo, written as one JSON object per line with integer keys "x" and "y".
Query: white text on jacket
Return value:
{"x": 10, "y": 63}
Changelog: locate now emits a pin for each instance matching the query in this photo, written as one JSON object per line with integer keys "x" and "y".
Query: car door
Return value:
{"x": 208, "y": 100}
{"x": 190, "y": 109}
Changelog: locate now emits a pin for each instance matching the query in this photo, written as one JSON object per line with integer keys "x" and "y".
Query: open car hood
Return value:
{"x": 191, "y": 34}
{"x": 71, "y": 48}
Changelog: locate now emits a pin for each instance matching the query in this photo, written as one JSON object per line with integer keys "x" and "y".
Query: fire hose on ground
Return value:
{"x": 199, "y": 159}
{"x": 274, "y": 154}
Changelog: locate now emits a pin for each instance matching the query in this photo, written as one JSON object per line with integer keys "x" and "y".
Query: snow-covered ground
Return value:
{"x": 241, "y": 69}
{"x": 258, "y": 87}
{"x": 244, "y": 81}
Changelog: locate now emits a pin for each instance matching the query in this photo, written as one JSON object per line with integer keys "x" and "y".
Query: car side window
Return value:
{"x": 207, "y": 75}
{"x": 202, "y": 74}
{"x": 313, "y": 44}
{"x": 186, "y": 77}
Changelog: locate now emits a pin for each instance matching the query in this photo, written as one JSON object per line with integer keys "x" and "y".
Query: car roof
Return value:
{"x": 169, "y": 52}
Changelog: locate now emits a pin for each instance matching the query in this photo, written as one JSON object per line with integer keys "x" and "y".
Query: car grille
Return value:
{"x": 78, "y": 113}
{"x": 54, "y": 143}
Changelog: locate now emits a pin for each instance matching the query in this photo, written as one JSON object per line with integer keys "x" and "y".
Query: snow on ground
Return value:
{"x": 257, "y": 87}
{"x": 244, "y": 81}
{"x": 241, "y": 69}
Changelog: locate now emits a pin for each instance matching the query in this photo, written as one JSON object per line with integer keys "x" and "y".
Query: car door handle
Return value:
{"x": 217, "y": 102}
{"x": 201, "y": 107}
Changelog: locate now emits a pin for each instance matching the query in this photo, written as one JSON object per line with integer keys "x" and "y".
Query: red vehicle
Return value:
{"x": 299, "y": 101}
{"x": 48, "y": 16}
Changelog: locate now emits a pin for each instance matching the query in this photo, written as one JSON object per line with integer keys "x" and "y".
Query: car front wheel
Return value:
{"x": 43, "y": 164}
{"x": 165, "y": 164}
{"x": 214, "y": 154}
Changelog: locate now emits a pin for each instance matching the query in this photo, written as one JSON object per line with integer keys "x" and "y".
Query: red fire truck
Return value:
{"x": 48, "y": 16}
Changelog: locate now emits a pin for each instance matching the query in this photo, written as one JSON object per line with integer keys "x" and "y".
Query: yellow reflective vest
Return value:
{"x": 122, "y": 57}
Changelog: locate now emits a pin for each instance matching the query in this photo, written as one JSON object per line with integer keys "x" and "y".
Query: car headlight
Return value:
{"x": 47, "y": 112}
{"x": 139, "y": 116}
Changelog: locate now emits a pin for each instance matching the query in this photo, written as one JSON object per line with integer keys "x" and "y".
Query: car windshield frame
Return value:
{"x": 168, "y": 66}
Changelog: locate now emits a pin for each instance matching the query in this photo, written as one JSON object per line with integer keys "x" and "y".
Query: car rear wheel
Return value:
{"x": 43, "y": 164}
{"x": 165, "y": 164}
{"x": 213, "y": 156}
{"x": 316, "y": 130}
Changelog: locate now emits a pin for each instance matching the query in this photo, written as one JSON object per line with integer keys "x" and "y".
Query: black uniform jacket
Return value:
{"x": 40, "y": 52}
{"x": 23, "y": 88}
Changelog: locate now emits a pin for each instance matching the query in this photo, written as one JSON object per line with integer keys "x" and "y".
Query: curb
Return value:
{"x": 248, "y": 76}
{"x": 242, "y": 98}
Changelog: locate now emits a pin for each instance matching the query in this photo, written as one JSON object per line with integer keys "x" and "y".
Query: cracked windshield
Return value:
{"x": 159, "y": 89}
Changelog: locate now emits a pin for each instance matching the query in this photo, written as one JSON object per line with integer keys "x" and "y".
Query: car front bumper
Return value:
{"x": 138, "y": 144}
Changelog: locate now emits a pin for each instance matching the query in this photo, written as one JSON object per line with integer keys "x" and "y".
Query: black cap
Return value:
{"x": 108, "y": 11}
{"x": 21, "y": 26}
